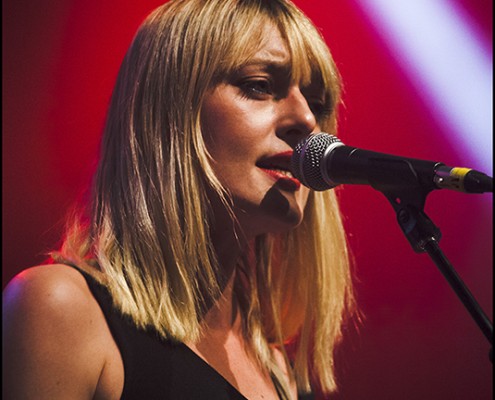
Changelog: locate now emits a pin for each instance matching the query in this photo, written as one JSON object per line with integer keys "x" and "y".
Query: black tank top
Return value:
{"x": 159, "y": 369}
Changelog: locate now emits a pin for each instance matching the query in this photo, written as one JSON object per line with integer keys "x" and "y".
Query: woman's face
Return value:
{"x": 251, "y": 122}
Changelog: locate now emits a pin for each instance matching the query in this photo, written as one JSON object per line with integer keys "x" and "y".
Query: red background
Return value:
{"x": 417, "y": 341}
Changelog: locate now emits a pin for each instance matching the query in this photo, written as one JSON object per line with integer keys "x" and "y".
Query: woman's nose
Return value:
{"x": 296, "y": 119}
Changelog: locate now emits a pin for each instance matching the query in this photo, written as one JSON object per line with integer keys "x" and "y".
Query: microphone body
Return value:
{"x": 322, "y": 162}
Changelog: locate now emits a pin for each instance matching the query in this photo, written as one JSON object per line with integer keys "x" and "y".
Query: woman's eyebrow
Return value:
{"x": 271, "y": 66}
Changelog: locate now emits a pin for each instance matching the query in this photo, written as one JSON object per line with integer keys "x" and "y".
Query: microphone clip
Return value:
{"x": 408, "y": 203}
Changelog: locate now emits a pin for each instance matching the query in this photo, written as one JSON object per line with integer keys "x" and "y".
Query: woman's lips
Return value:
{"x": 284, "y": 178}
{"x": 277, "y": 166}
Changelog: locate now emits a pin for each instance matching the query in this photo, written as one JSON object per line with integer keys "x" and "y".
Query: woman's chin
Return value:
{"x": 276, "y": 213}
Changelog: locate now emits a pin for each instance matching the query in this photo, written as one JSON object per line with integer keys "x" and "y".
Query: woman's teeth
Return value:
{"x": 283, "y": 172}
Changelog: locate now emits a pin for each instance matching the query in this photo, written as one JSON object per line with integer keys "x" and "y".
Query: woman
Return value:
{"x": 201, "y": 267}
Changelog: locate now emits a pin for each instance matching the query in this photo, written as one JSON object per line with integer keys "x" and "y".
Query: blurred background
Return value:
{"x": 418, "y": 83}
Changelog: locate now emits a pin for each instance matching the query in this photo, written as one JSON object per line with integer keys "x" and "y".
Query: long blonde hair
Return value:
{"x": 150, "y": 219}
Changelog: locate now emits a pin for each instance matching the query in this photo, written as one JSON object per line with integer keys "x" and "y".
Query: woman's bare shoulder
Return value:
{"x": 44, "y": 278}
{"x": 46, "y": 291}
{"x": 51, "y": 342}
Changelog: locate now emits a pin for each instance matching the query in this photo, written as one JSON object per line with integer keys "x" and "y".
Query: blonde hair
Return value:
{"x": 150, "y": 219}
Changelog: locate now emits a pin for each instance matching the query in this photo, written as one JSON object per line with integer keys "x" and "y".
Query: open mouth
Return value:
{"x": 277, "y": 171}
{"x": 277, "y": 167}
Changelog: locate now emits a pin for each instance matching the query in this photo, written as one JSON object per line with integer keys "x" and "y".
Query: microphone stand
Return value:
{"x": 407, "y": 195}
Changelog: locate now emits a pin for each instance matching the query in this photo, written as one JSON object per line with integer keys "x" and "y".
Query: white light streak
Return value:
{"x": 439, "y": 50}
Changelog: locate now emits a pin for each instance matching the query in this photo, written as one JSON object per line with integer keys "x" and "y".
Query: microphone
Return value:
{"x": 322, "y": 162}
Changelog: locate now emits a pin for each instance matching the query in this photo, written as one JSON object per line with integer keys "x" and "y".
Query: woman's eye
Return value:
{"x": 256, "y": 88}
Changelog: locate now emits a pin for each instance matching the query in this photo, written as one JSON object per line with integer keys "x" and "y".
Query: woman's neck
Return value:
{"x": 230, "y": 244}
{"x": 224, "y": 314}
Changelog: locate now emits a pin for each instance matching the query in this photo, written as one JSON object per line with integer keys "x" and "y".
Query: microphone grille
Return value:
{"x": 307, "y": 158}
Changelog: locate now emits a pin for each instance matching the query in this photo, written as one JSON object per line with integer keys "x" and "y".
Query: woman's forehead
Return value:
{"x": 275, "y": 50}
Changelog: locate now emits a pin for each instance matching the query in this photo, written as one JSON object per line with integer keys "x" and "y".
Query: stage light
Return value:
{"x": 449, "y": 64}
